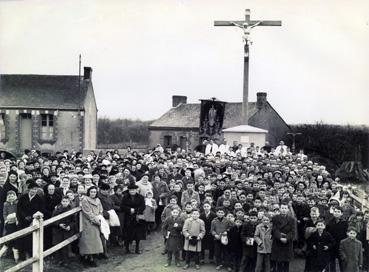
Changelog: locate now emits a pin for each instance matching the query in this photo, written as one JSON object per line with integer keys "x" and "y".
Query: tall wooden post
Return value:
{"x": 80, "y": 218}
{"x": 38, "y": 243}
{"x": 245, "y": 98}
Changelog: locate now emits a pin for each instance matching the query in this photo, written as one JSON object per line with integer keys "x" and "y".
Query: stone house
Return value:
{"x": 180, "y": 125}
{"x": 47, "y": 112}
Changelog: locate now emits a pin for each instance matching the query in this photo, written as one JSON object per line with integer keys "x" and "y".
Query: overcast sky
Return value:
{"x": 314, "y": 68}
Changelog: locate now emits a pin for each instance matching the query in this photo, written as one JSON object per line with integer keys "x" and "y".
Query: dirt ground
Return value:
{"x": 150, "y": 261}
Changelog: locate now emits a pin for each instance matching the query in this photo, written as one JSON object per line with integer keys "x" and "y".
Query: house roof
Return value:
{"x": 42, "y": 91}
{"x": 245, "y": 128}
{"x": 187, "y": 116}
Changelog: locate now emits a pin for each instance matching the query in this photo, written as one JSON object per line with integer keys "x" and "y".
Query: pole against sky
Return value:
{"x": 314, "y": 68}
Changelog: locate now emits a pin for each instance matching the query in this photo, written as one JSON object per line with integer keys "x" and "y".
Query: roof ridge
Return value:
{"x": 200, "y": 103}
{"x": 38, "y": 75}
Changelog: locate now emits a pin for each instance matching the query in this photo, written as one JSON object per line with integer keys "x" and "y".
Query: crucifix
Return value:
{"x": 246, "y": 26}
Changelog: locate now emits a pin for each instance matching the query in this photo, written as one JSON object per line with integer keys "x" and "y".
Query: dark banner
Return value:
{"x": 211, "y": 119}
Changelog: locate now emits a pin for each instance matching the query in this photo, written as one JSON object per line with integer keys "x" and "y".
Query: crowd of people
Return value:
{"x": 242, "y": 208}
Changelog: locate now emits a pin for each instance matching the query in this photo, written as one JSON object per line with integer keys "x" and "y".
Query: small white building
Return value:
{"x": 245, "y": 135}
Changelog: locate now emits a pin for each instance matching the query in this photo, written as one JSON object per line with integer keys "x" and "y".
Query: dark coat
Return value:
{"x": 107, "y": 204}
{"x": 174, "y": 240}
{"x": 161, "y": 192}
{"x": 25, "y": 210}
{"x": 208, "y": 240}
{"x": 60, "y": 234}
{"x": 319, "y": 257}
{"x": 338, "y": 231}
{"x": 2, "y": 200}
{"x": 235, "y": 241}
{"x": 176, "y": 177}
{"x": 351, "y": 254}
{"x": 117, "y": 202}
{"x": 248, "y": 231}
{"x": 51, "y": 201}
{"x": 133, "y": 229}
{"x": 283, "y": 226}
{"x": 8, "y": 187}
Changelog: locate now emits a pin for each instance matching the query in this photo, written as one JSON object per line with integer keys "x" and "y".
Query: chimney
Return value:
{"x": 261, "y": 100}
{"x": 178, "y": 99}
{"x": 87, "y": 73}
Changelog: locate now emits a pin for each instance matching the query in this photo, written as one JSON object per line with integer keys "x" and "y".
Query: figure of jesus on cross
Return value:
{"x": 246, "y": 26}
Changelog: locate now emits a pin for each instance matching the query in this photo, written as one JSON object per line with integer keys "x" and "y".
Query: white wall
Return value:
{"x": 241, "y": 137}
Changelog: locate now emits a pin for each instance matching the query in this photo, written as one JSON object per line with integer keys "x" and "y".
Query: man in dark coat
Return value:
{"x": 28, "y": 205}
{"x": 302, "y": 211}
{"x": 133, "y": 205}
{"x": 52, "y": 199}
{"x": 283, "y": 234}
{"x": 208, "y": 241}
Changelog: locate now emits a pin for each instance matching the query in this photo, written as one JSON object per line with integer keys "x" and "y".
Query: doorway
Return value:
{"x": 25, "y": 131}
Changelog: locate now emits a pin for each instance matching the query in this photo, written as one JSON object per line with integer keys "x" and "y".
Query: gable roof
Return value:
{"x": 42, "y": 91}
{"x": 187, "y": 116}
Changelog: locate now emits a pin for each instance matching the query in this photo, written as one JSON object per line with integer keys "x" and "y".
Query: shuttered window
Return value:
{"x": 47, "y": 126}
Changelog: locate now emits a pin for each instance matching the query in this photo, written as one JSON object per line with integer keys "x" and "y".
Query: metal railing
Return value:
{"x": 37, "y": 229}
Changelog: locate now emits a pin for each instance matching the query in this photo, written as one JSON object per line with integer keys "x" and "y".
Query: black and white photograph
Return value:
{"x": 173, "y": 135}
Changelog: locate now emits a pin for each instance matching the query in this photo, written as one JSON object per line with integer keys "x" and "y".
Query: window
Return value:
{"x": 167, "y": 141}
{"x": 183, "y": 142}
{"x": 2, "y": 126}
{"x": 47, "y": 126}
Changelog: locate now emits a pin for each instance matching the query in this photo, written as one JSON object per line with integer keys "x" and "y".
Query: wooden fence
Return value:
{"x": 37, "y": 230}
{"x": 360, "y": 202}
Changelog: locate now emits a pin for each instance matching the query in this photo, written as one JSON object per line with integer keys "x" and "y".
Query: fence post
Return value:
{"x": 80, "y": 221}
{"x": 38, "y": 243}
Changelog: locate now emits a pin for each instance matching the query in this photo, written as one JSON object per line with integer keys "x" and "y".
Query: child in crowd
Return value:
{"x": 337, "y": 227}
{"x": 319, "y": 248}
{"x": 351, "y": 252}
{"x": 63, "y": 229}
{"x": 235, "y": 245}
{"x": 149, "y": 212}
{"x": 168, "y": 209}
{"x": 248, "y": 233}
{"x": 10, "y": 219}
{"x": 219, "y": 227}
{"x": 193, "y": 231}
{"x": 263, "y": 240}
{"x": 172, "y": 232}
{"x": 208, "y": 241}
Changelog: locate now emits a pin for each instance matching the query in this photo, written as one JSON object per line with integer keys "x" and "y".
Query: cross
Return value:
{"x": 246, "y": 26}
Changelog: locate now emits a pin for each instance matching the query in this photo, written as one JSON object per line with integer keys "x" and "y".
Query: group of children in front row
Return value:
{"x": 246, "y": 241}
